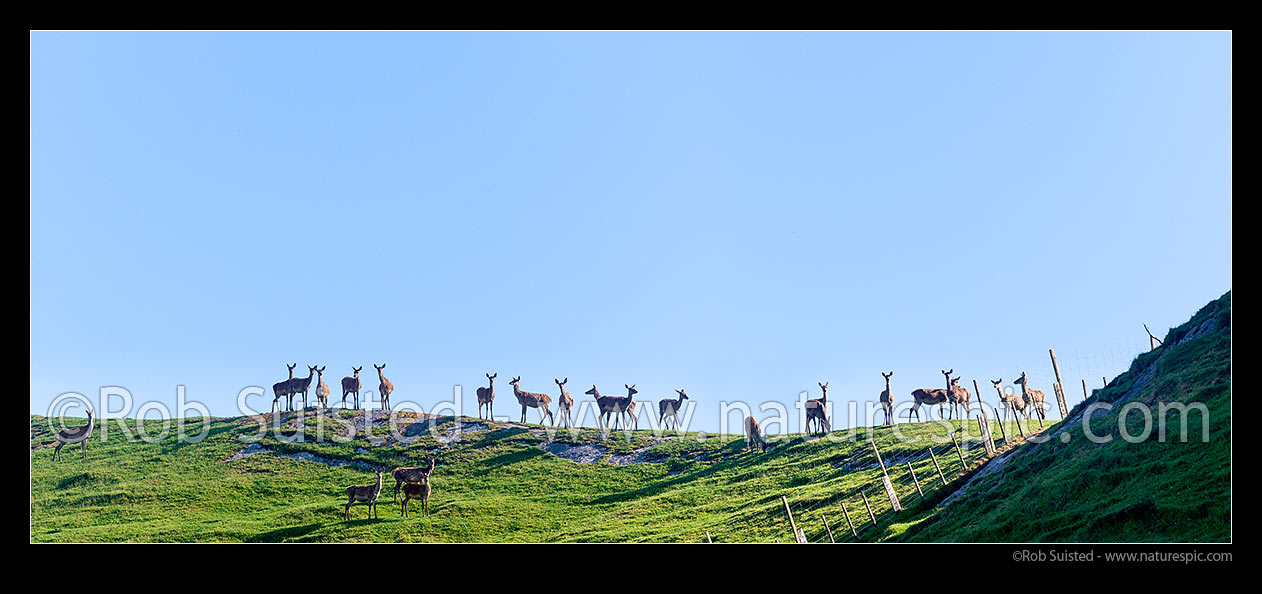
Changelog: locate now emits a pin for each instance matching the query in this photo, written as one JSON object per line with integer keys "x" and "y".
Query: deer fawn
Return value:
{"x": 753, "y": 435}
{"x": 351, "y": 385}
{"x": 281, "y": 389}
{"x": 1010, "y": 401}
{"x": 486, "y": 396}
{"x": 959, "y": 396}
{"x": 366, "y": 494}
{"x": 72, "y": 435}
{"x": 386, "y": 387}
{"x": 322, "y": 389}
{"x": 532, "y": 400}
{"x": 416, "y": 491}
{"x": 564, "y": 403}
{"x": 930, "y": 397}
{"x": 817, "y": 410}
{"x": 887, "y": 399}
{"x": 669, "y": 408}
{"x": 411, "y": 474}
{"x": 1033, "y": 397}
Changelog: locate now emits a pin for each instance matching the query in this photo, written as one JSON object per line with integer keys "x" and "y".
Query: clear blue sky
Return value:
{"x": 739, "y": 214}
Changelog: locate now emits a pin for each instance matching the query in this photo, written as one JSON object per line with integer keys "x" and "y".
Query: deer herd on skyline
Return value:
{"x": 621, "y": 409}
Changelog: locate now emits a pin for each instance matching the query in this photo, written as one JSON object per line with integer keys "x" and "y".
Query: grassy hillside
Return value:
{"x": 507, "y": 482}
{"x": 1158, "y": 489}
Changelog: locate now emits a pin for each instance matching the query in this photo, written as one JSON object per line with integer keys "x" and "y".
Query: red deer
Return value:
{"x": 564, "y": 403}
{"x": 281, "y": 389}
{"x": 887, "y": 399}
{"x": 532, "y": 400}
{"x": 322, "y": 389}
{"x": 366, "y": 494}
{"x": 416, "y": 491}
{"x": 385, "y": 387}
{"x": 300, "y": 385}
{"x": 669, "y": 408}
{"x": 930, "y": 397}
{"x": 606, "y": 404}
{"x": 72, "y": 435}
{"x": 1010, "y": 401}
{"x": 1034, "y": 397}
{"x": 959, "y": 396}
{"x": 351, "y": 385}
{"x": 753, "y": 435}
{"x": 410, "y": 474}
{"x": 626, "y": 406}
{"x": 817, "y": 410}
{"x": 486, "y": 396}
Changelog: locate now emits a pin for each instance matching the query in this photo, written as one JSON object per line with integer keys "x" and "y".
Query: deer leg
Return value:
{"x": 84, "y": 443}
{"x": 57, "y": 453}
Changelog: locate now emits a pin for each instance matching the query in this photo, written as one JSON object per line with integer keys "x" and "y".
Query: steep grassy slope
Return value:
{"x": 1159, "y": 488}
{"x": 491, "y": 485}
{"x": 498, "y": 482}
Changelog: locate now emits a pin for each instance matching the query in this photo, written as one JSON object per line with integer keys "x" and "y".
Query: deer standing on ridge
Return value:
{"x": 626, "y": 406}
{"x": 281, "y": 389}
{"x": 300, "y": 385}
{"x": 386, "y": 387}
{"x": 607, "y": 405}
{"x": 1032, "y": 396}
{"x": 753, "y": 435}
{"x": 532, "y": 400}
{"x": 1015, "y": 402}
{"x": 486, "y": 396}
{"x": 564, "y": 403}
{"x": 351, "y": 385}
{"x": 817, "y": 410}
{"x": 322, "y": 389}
{"x": 959, "y": 396}
{"x": 669, "y": 408}
{"x": 887, "y": 399}
{"x": 930, "y": 397}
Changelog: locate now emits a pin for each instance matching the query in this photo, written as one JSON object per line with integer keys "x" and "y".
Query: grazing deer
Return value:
{"x": 366, "y": 494}
{"x": 416, "y": 491}
{"x": 72, "y": 435}
{"x": 486, "y": 396}
{"x": 753, "y": 435}
{"x": 817, "y": 410}
{"x": 959, "y": 396}
{"x": 887, "y": 399}
{"x": 1033, "y": 397}
{"x": 564, "y": 403}
{"x": 930, "y": 397}
{"x": 669, "y": 407}
{"x": 626, "y": 406}
{"x": 532, "y": 400}
{"x": 351, "y": 385}
{"x": 281, "y": 389}
{"x": 322, "y": 389}
{"x": 1010, "y": 401}
{"x": 410, "y": 474}
{"x": 608, "y": 405}
{"x": 300, "y": 385}
{"x": 385, "y": 387}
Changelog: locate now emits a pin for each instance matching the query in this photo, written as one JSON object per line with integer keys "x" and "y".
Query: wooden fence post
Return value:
{"x": 824, "y": 519}
{"x": 846, "y": 512}
{"x": 797, "y": 534}
{"x": 917, "y": 482}
{"x": 1085, "y": 395}
{"x": 885, "y": 480}
{"x": 935, "y": 465}
{"x": 867, "y": 505}
{"x": 984, "y": 425}
{"x": 1060, "y": 389}
{"x": 958, "y": 452}
{"x": 1002, "y": 432}
{"x": 707, "y": 537}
